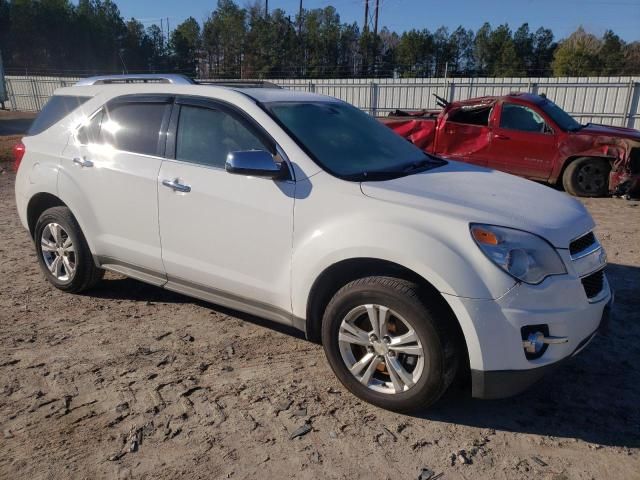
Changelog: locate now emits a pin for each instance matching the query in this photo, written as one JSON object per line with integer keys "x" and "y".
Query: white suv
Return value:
{"x": 302, "y": 209}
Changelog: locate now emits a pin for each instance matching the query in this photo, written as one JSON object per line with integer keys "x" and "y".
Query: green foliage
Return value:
{"x": 234, "y": 41}
{"x": 578, "y": 55}
{"x": 185, "y": 46}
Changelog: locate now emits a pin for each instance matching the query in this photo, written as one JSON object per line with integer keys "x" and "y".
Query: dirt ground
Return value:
{"x": 131, "y": 381}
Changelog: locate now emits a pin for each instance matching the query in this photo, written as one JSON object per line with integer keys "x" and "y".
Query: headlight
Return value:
{"x": 522, "y": 255}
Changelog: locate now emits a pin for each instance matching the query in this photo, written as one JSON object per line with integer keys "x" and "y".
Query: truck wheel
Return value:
{"x": 63, "y": 253}
{"x": 387, "y": 345}
{"x": 587, "y": 177}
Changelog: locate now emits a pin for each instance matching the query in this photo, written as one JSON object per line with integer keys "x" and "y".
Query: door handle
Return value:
{"x": 499, "y": 136}
{"x": 176, "y": 186}
{"x": 83, "y": 162}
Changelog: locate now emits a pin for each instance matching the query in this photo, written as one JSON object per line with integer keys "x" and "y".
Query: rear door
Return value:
{"x": 226, "y": 238}
{"x": 522, "y": 142}
{"x": 109, "y": 174}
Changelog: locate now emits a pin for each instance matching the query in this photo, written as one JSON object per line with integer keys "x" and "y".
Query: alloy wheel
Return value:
{"x": 58, "y": 252}
{"x": 381, "y": 349}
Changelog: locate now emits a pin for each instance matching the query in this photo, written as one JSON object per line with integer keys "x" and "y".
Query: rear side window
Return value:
{"x": 58, "y": 107}
{"x": 133, "y": 127}
{"x": 206, "y": 136}
{"x": 472, "y": 115}
{"x": 90, "y": 133}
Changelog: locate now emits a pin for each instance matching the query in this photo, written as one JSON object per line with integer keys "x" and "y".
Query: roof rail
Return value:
{"x": 139, "y": 78}
{"x": 238, "y": 83}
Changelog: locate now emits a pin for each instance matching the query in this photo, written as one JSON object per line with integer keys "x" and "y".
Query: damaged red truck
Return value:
{"x": 530, "y": 136}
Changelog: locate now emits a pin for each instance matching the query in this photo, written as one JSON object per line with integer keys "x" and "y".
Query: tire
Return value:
{"x": 587, "y": 177}
{"x": 58, "y": 235}
{"x": 430, "y": 375}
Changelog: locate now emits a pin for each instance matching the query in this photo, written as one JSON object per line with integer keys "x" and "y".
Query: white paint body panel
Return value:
{"x": 269, "y": 241}
{"x": 231, "y": 232}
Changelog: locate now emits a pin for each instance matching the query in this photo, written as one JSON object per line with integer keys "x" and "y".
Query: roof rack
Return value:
{"x": 235, "y": 83}
{"x": 140, "y": 78}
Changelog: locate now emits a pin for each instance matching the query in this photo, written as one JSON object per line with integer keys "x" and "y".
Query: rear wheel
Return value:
{"x": 387, "y": 346}
{"x": 63, "y": 253}
{"x": 587, "y": 177}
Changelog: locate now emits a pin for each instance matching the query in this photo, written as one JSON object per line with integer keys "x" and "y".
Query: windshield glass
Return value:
{"x": 558, "y": 115}
{"x": 347, "y": 142}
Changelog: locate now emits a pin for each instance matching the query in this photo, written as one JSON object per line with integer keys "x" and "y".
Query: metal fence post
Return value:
{"x": 312, "y": 87}
{"x": 631, "y": 104}
{"x": 36, "y": 97}
{"x": 11, "y": 93}
{"x": 373, "y": 98}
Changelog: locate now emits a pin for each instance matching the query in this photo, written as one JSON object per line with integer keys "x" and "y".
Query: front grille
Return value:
{"x": 582, "y": 243}
{"x": 593, "y": 283}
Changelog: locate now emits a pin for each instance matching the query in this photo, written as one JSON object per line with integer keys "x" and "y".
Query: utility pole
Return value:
{"x": 366, "y": 16}
{"x": 375, "y": 23}
{"x": 300, "y": 19}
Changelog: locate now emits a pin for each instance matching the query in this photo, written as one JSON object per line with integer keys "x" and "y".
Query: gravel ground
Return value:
{"x": 133, "y": 381}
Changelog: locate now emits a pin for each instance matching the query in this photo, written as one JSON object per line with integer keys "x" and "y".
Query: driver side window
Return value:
{"x": 206, "y": 136}
{"x": 524, "y": 119}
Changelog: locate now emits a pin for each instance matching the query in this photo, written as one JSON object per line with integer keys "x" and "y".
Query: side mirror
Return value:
{"x": 256, "y": 163}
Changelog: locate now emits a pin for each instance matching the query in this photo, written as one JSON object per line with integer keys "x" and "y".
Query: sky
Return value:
{"x": 561, "y": 16}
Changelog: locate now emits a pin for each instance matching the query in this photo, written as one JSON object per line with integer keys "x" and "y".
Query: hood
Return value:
{"x": 474, "y": 194}
{"x": 609, "y": 131}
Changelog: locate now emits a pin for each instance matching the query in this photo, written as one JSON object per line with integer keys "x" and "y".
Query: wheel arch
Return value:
{"x": 560, "y": 175}
{"x": 38, "y": 204}
{"x": 42, "y": 201}
{"x": 342, "y": 272}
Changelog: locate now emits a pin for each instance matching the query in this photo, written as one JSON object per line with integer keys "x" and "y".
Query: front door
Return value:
{"x": 522, "y": 143}
{"x": 225, "y": 238}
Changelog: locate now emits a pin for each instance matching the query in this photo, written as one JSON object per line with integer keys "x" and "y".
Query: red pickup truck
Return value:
{"x": 530, "y": 136}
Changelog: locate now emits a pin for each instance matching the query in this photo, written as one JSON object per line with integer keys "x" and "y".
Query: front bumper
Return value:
{"x": 506, "y": 383}
{"x": 493, "y": 330}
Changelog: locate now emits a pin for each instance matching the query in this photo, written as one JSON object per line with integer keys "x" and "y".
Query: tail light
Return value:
{"x": 18, "y": 152}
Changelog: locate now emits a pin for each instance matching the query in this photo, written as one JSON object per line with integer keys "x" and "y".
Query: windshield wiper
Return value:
{"x": 424, "y": 164}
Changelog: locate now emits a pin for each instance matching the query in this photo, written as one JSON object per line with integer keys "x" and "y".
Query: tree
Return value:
{"x": 233, "y": 42}
{"x": 461, "y": 50}
{"x": 158, "y": 58}
{"x": 611, "y": 54}
{"x": 185, "y": 46}
{"x": 137, "y": 47}
{"x": 632, "y": 59}
{"x": 224, "y": 38}
{"x": 578, "y": 55}
{"x": 543, "y": 48}
{"x": 414, "y": 53}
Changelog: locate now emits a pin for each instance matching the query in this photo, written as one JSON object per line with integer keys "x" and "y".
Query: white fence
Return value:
{"x": 608, "y": 100}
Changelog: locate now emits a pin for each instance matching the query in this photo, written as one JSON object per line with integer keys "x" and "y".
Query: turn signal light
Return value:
{"x": 484, "y": 236}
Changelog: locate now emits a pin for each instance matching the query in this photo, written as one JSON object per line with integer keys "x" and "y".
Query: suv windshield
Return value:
{"x": 558, "y": 115}
{"x": 349, "y": 143}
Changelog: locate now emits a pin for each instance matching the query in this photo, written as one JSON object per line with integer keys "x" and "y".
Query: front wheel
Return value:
{"x": 587, "y": 177}
{"x": 387, "y": 345}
